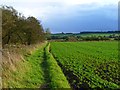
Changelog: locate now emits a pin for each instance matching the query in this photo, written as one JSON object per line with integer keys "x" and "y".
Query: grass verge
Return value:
{"x": 27, "y": 73}
{"x": 38, "y": 69}
{"x": 57, "y": 78}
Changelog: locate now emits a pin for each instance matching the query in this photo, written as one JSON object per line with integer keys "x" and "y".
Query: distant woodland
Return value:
{"x": 86, "y": 36}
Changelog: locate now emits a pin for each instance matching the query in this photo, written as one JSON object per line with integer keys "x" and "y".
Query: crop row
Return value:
{"x": 92, "y": 64}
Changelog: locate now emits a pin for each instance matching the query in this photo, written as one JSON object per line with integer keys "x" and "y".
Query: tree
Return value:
{"x": 8, "y": 23}
{"x": 48, "y": 33}
{"x": 18, "y": 29}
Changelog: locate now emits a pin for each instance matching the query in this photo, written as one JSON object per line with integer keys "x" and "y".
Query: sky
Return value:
{"x": 70, "y": 15}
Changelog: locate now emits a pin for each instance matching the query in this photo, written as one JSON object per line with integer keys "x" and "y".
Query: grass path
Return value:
{"x": 55, "y": 74}
{"x": 38, "y": 70}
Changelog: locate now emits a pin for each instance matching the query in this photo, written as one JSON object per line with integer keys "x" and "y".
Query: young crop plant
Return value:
{"x": 89, "y": 64}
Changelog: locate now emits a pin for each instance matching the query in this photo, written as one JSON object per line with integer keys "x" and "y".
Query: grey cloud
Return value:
{"x": 102, "y": 18}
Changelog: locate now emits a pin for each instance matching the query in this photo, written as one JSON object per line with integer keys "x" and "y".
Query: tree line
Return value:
{"x": 17, "y": 29}
{"x": 79, "y": 37}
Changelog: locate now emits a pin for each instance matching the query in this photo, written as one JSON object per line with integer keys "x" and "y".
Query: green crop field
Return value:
{"x": 88, "y": 64}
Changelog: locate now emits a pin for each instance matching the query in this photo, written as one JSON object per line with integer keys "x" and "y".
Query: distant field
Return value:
{"x": 86, "y": 34}
{"x": 88, "y": 64}
{"x": 98, "y": 34}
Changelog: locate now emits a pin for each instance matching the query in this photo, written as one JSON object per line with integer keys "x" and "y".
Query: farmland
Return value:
{"x": 66, "y": 65}
{"x": 88, "y": 64}
{"x": 85, "y": 36}
{"x": 33, "y": 57}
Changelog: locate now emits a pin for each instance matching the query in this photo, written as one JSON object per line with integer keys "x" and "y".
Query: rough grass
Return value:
{"x": 38, "y": 69}
{"x": 23, "y": 69}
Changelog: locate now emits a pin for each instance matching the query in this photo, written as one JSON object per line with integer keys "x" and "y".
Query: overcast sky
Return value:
{"x": 70, "y": 15}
